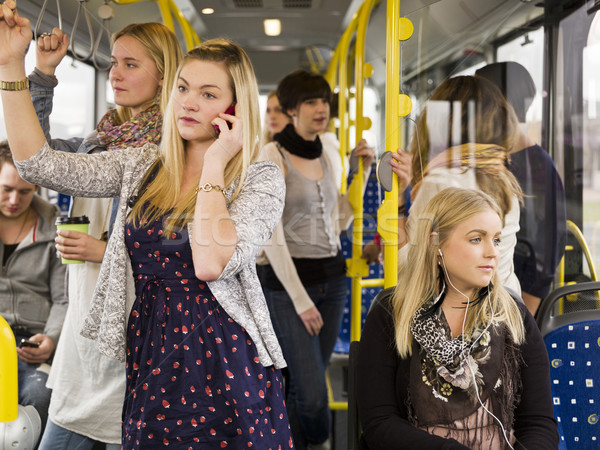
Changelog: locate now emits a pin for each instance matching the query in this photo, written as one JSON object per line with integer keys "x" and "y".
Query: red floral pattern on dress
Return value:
{"x": 194, "y": 380}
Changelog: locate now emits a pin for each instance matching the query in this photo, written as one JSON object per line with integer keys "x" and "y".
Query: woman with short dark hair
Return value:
{"x": 305, "y": 276}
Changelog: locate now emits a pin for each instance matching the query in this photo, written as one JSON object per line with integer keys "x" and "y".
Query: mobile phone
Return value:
{"x": 28, "y": 343}
{"x": 231, "y": 112}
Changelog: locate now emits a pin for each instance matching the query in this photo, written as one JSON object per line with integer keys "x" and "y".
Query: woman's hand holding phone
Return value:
{"x": 230, "y": 137}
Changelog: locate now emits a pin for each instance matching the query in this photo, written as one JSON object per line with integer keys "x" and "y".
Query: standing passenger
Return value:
{"x": 463, "y": 139}
{"x": 144, "y": 62}
{"x": 450, "y": 360}
{"x": 542, "y": 235}
{"x": 275, "y": 118}
{"x": 202, "y": 359}
{"x": 305, "y": 278}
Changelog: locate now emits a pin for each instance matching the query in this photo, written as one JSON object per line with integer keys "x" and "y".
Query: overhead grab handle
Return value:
{"x": 38, "y": 24}
{"x": 106, "y": 13}
{"x": 82, "y": 5}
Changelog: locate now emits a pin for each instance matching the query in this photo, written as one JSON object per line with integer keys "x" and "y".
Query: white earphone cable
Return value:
{"x": 466, "y": 358}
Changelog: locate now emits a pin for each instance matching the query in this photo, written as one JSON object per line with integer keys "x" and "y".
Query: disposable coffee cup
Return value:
{"x": 81, "y": 223}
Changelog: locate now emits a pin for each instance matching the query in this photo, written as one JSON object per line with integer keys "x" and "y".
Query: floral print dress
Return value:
{"x": 194, "y": 380}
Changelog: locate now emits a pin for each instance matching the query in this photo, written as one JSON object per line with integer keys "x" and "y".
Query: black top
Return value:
{"x": 310, "y": 270}
{"x": 542, "y": 235}
{"x": 8, "y": 250}
{"x": 382, "y": 391}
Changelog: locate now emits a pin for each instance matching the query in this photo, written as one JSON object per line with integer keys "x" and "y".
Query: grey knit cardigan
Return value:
{"x": 255, "y": 212}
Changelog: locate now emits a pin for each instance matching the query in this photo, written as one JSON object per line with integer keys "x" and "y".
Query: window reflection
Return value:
{"x": 591, "y": 139}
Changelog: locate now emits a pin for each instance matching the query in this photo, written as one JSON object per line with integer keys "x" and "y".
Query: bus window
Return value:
{"x": 591, "y": 139}
{"x": 469, "y": 70}
{"x": 528, "y": 51}
{"x": 575, "y": 134}
{"x": 372, "y": 110}
{"x": 73, "y": 110}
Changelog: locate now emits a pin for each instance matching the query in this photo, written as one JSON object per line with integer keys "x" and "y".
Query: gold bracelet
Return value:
{"x": 209, "y": 187}
{"x": 20, "y": 85}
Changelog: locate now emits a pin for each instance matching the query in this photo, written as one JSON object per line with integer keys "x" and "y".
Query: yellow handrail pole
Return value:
{"x": 163, "y": 6}
{"x": 194, "y": 36}
{"x": 371, "y": 282}
{"x": 576, "y": 232}
{"x": 334, "y": 405}
{"x": 561, "y": 269}
{"x": 331, "y": 77}
{"x": 387, "y": 215}
{"x": 574, "y": 229}
{"x": 343, "y": 94}
{"x": 359, "y": 266}
{"x": 186, "y": 29}
{"x": 166, "y": 7}
{"x": 333, "y": 68}
{"x": 397, "y": 105}
{"x": 9, "y": 390}
{"x": 125, "y": 2}
{"x": 338, "y": 66}
{"x": 331, "y": 73}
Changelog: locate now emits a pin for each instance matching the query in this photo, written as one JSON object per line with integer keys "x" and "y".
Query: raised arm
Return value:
{"x": 255, "y": 213}
{"x": 50, "y": 51}
{"x": 218, "y": 247}
{"x": 19, "y": 114}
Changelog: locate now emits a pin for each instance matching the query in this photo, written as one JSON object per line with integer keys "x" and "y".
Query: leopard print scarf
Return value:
{"x": 451, "y": 363}
{"x": 447, "y": 375}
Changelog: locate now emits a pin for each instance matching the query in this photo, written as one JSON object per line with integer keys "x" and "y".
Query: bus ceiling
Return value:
{"x": 445, "y": 30}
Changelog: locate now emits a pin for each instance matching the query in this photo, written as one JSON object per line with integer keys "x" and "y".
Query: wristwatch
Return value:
{"x": 20, "y": 85}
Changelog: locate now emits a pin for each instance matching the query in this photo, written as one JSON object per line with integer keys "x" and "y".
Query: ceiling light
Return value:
{"x": 272, "y": 27}
{"x": 207, "y": 11}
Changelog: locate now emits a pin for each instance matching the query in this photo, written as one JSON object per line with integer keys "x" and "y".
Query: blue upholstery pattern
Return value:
{"x": 372, "y": 199}
{"x": 574, "y": 352}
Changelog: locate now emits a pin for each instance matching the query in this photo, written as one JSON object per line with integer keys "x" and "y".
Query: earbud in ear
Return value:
{"x": 440, "y": 252}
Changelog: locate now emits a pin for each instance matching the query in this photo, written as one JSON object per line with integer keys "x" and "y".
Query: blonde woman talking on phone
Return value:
{"x": 202, "y": 359}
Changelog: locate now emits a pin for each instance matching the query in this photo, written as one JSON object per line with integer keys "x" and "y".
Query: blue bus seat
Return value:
{"x": 573, "y": 344}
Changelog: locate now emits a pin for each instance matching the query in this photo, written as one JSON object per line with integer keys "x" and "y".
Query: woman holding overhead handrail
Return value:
{"x": 202, "y": 359}
{"x": 143, "y": 63}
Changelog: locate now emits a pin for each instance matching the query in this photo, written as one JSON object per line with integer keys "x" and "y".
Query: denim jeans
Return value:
{"x": 32, "y": 387}
{"x": 56, "y": 437}
{"x": 307, "y": 357}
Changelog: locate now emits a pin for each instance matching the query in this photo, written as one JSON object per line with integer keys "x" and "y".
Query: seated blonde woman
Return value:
{"x": 450, "y": 360}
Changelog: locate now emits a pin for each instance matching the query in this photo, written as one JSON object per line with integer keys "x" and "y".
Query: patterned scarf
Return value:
{"x": 143, "y": 128}
{"x": 487, "y": 158}
{"x": 293, "y": 143}
{"x": 447, "y": 375}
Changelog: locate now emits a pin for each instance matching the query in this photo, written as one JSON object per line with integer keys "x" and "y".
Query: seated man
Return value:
{"x": 32, "y": 282}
